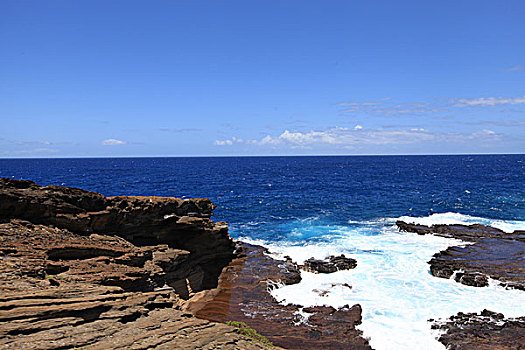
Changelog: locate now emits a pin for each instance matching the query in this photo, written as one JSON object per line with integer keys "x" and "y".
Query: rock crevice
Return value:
{"x": 78, "y": 269}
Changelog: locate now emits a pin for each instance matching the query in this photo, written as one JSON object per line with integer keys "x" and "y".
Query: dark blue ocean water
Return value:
{"x": 261, "y": 196}
{"x": 318, "y": 206}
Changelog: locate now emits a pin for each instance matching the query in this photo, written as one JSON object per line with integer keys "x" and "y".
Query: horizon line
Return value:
{"x": 264, "y": 156}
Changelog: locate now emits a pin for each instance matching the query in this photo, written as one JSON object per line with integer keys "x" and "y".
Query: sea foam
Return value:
{"x": 392, "y": 281}
{"x": 456, "y": 218}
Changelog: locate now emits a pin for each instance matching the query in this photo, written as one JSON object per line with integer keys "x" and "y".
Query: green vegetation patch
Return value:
{"x": 243, "y": 329}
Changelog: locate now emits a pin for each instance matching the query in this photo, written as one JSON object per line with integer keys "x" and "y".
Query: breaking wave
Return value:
{"x": 392, "y": 281}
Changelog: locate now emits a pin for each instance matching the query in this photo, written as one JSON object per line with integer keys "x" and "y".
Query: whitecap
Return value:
{"x": 392, "y": 282}
{"x": 451, "y": 218}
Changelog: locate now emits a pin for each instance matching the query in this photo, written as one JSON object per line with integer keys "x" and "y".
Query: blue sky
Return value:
{"x": 190, "y": 78}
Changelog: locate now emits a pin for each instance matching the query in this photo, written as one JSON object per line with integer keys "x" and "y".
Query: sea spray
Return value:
{"x": 391, "y": 281}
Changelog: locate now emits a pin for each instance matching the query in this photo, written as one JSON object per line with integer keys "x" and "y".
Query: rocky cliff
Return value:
{"x": 82, "y": 270}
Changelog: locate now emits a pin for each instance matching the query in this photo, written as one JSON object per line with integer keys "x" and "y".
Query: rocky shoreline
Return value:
{"x": 490, "y": 254}
{"x": 83, "y": 270}
{"x": 243, "y": 295}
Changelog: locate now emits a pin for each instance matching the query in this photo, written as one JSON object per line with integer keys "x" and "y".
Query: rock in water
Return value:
{"x": 485, "y": 330}
{"x": 242, "y": 295}
{"x": 494, "y": 253}
{"x": 329, "y": 265}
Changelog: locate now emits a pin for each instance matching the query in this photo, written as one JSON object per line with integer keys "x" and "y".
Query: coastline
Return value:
{"x": 167, "y": 258}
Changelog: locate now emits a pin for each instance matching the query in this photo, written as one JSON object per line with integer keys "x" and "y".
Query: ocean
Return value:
{"x": 318, "y": 206}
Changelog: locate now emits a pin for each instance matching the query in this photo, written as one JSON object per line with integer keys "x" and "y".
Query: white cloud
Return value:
{"x": 335, "y": 136}
{"x": 488, "y": 101}
{"x": 230, "y": 142}
{"x": 223, "y": 142}
{"x": 45, "y": 150}
{"x": 35, "y": 151}
{"x": 113, "y": 142}
{"x": 267, "y": 140}
{"x": 343, "y": 137}
{"x": 508, "y": 123}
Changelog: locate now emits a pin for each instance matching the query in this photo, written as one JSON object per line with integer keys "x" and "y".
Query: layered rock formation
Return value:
{"x": 141, "y": 221}
{"x": 82, "y": 270}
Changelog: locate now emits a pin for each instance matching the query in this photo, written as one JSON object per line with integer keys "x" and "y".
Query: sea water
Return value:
{"x": 391, "y": 282}
{"x": 318, "y": 206}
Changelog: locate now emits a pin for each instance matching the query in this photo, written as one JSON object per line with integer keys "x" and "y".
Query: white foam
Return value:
{"x": 456, "y": 218}
{"x": 392, "y": 283}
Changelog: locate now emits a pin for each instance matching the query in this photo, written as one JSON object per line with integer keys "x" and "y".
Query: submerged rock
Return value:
{"x": 472, "y": 279}
{"x": 467, "y": 233}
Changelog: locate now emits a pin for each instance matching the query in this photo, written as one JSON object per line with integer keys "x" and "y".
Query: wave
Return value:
{"x": 448, "y": 218}
{"x": 451, "y": 218}
{"x": 392, "y": 280}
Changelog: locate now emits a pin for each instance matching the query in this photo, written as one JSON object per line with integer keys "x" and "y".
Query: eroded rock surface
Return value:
{"x": 482, "y": 331}
{"x": 330, "y": 264}
{"x": 242, "y": 296}
{"x": 467, "y": 233}
{"x": 81, "y": 270}
{"x": 500, "y": 259}
{"x": 142, "y": 221}
{"x": 493, "y": 254}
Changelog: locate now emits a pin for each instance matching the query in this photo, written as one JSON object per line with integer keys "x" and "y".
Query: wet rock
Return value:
{"x": 240, "y": 296}
{"x": 329, "y": 265}
{"x": 342, "y": 262}
{"x": 290, "y": 273}
{"x": 493, "y": 254}
{"x": 468, "y": 233}
{"x": 319, "y": 266}
{"x": 499, "y": 259}
{"x": 472, "y": 279}
{"x": 485, "y": 330}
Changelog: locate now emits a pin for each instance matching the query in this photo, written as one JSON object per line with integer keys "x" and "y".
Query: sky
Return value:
{"x": 216, "y": 78}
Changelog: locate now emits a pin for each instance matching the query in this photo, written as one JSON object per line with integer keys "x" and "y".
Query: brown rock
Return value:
{"x": 242, "y": 296}
{"x": 81, "y": 270}
{"x": 484, "y": 331}
{"x": 142, "y": 221}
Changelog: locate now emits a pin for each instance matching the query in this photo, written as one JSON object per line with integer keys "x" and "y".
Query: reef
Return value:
{"x": 330, "y": 264}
